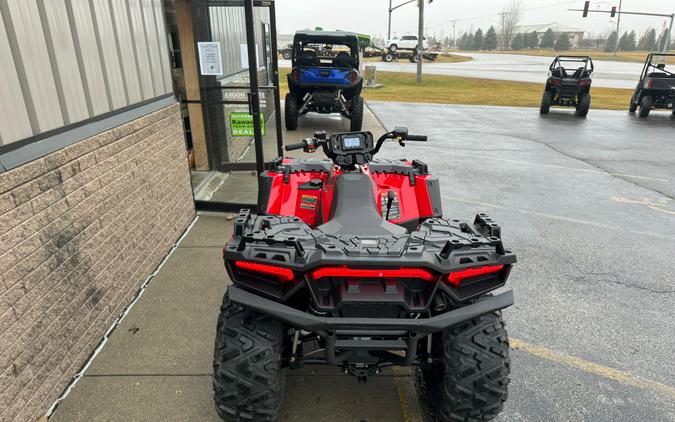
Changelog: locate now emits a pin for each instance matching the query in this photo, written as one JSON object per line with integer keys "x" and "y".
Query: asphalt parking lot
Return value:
{"x": 587, "y": 205}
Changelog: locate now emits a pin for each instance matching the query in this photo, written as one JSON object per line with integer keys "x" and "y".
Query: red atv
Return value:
{"x": 352, "y": 265}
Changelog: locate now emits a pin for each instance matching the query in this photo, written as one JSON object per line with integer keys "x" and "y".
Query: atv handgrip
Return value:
{"x": 292, "y": 147}
{"x": 419, "y": 138}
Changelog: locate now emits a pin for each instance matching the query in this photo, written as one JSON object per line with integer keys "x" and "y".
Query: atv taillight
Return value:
{"x": 368, "y": 273}
{"x": 649, "y": 84}
{"x": 284, "y": 274}
{"x": 455, "y": 278}
{"x": 556, "y": 81}
{"x": 353, "y": 76}
{"x": 295, "y": 75}
{"x": 584, "y": 82}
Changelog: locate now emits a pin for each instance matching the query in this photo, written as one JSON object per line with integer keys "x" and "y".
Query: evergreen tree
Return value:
{"x": 469, "y": 42}
{"x": 648, "y": 40}
{"x": 477, "y": 40}
{"x": 548, "y": 39}
{"x": 531, "y": 40}
{"x": 517, "y": 43}
{"x": 611, "y": 42}
{"x": 562, "y": 43}
{"x": 490, "y": 40}
{"x": 446, "y": 42}
{"x": 627, "y": 41}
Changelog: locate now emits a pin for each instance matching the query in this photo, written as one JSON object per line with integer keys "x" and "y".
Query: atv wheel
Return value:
{"x": 469, "y": 379}
{"x": 388, "y": 57}
{"x": 584, "y": 105}
{"x": 291, "y": 112}
{"x": 545, "y": 103}
{"x": 633, "y": 105}
{"x": 248, "y": 381}
{"x": 646, "y": 106}
{"x": 414, "y": 58}
{"x": 286, "y": 54}
{"x": 356, "y": 120}
{"x": 393, "y": 48}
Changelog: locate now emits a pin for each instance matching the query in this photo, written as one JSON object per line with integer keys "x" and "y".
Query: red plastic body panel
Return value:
{"x": 313, "y": 205}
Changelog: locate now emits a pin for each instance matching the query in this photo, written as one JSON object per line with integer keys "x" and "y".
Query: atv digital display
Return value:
{"x": 351, "y": 143}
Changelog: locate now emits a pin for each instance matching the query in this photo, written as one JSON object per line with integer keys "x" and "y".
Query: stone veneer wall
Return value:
{"x": 80, "y": 230}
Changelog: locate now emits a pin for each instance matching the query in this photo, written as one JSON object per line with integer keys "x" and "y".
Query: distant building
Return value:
{"x": 576, "y": 35}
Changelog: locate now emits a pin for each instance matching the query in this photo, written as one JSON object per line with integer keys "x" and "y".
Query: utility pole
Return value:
{"x": 666, "y": 44}
{"x": 454, "y": 36}
{"x": 502, "y": 15}
{"x": 618, "y": 21}
{"x": 420, "y": 39}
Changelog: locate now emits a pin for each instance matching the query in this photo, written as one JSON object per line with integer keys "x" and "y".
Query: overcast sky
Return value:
{"x": 370, "y": 16}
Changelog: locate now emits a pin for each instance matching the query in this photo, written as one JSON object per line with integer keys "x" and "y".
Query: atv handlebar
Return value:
{"x": 418, "y": 138}
{"x": 292, "y": 147}
{"x": 399, "y": 134}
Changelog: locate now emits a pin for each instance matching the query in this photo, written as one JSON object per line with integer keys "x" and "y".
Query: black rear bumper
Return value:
{"x": 330, "y": 325}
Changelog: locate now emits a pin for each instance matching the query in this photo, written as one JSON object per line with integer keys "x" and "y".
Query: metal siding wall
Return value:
{"x": 163, "y": 44}
{"x": 85, "y": 41}
{"x": 153, "y": 46}
{"x": 65, "y": 57}
{"x": 14, "y": 122}
{"x": 142, "y": 53}
{"x": 111, "y": 62}
{"x": 64, "y": 61}
{"x": 35, "y": 67}
{"x": 125, "y": 45}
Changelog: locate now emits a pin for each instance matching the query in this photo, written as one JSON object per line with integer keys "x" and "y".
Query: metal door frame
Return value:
{"x": 212, "y": 97}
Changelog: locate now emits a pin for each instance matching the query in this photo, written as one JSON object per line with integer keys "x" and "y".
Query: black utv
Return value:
{"x": 568, "y": 84}
{"x": 656, "y": 87}
{"x": 325, "y": 77}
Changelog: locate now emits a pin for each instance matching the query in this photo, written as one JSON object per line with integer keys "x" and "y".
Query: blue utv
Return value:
{"x": 325, "y": 77}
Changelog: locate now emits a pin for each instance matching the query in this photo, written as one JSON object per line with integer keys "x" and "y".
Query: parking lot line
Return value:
{"x": 593, "y": 368}
{"x": 559, "y": 217}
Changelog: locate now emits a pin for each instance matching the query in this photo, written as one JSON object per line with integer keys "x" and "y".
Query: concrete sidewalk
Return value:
{"x": 157, "y": 364}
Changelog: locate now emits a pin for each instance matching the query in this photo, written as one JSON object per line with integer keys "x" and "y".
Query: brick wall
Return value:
{"x": 80, "y": 230}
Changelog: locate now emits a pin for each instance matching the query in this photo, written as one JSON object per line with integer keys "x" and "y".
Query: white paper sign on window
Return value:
{"x": 243, "y": 52}
{"x": 209, "y": 58}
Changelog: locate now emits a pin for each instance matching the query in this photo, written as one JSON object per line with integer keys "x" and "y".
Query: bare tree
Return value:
{"x": 510, "y": 16}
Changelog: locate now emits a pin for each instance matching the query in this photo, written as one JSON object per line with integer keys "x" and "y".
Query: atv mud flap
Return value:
{"x": 408, "y": 331}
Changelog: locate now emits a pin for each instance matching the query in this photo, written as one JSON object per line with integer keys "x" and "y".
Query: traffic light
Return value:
{"x": 613, "y": 12}
{"x": 586, "y": 5}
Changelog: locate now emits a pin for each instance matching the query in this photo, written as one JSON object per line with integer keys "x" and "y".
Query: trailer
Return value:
{"x": 410, "y": 55}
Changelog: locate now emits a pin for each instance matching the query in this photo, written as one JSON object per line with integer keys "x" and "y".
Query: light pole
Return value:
{"x": 618, "y": 21}
{"x": 671, "y": 16}
{"x": 420, "y": 40}
{"x": 391, "y": 9}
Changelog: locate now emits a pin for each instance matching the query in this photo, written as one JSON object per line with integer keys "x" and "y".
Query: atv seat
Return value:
{"x": 354, "y": 210}
{"x": 580, "y": 73}
{"x": 342, "y": 60}
{"x": 559, "y": 73}
{"x": 308, "y": 58}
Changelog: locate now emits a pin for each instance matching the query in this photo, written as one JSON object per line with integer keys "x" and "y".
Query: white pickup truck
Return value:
{"x": 406, "y": 42}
